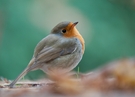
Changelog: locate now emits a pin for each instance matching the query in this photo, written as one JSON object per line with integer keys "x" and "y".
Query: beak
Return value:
{"x": 75, "y": 23}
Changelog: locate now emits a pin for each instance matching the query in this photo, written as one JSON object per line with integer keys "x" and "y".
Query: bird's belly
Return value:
{"x": 65, "y": 63}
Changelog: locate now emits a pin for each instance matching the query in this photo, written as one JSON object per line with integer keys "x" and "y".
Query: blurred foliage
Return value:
{"x": 110, "y": 27}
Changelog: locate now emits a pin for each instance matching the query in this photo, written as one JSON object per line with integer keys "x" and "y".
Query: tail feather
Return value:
{"x": 25, "y": 71}
{"x": 18, "y": 78}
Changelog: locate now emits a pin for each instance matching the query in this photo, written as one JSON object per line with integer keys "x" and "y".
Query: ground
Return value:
{"x": 115, "y": 79}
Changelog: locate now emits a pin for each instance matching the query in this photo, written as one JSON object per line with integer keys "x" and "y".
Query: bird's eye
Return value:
{"x": 64, "y": 31}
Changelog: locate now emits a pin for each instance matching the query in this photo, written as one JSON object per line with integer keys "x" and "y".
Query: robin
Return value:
{"x": 62, "y": 49}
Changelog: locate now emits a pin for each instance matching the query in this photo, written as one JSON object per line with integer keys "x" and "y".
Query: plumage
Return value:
{"x": 62, "y": 49}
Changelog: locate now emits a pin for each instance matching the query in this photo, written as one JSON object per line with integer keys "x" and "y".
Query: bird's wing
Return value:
{"x": 56, "y": 46}
{"x": 48, "y": 40}
{"x": 50, "y": 48}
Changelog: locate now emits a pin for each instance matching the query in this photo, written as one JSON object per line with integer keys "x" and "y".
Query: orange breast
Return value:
{"x": 73, "y": 32}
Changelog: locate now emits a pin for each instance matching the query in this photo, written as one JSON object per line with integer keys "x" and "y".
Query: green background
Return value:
{"x": 108, "y": 27}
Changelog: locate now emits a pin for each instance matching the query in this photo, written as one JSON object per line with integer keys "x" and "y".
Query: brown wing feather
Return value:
{"x": 53, "y": 49}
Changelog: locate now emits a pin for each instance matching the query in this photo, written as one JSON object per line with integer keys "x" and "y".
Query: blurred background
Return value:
{"x": 108, "y": 27}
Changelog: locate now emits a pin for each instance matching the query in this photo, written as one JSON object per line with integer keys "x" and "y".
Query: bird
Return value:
{"x": 62, "y": 49}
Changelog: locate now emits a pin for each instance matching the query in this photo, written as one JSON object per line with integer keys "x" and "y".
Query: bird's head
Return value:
{"x": 68, "y": 30}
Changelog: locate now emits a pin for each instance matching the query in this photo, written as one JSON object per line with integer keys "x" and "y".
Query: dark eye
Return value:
{"x": 64, "y": 30}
